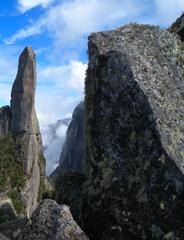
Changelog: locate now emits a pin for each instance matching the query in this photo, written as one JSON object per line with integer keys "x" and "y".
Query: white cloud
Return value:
{"x": 53, "y": 139}
{"x": 68, "y": 115}
{"x": 69, "y": 21}
{"x": 61, "y": 131}
{"x": 5, "y": 90}
{"x": 59, "y": 89}
{"x": 7, "y": 68}
{"x": 25, "y": 5}
{"x": 69, "y": 76}
{"x": 56, "y": 101}
{"x": 24, "y": 33}
{"x": 7, "y": 73}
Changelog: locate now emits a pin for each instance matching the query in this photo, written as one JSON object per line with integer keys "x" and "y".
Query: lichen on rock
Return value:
{"x": 134, "y": 130}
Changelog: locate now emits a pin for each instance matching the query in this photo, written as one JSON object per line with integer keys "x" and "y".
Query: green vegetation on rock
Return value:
{"x": 12, "y": 178}
{"x": 42, "y": 177}
{"x": 45, "y": 189}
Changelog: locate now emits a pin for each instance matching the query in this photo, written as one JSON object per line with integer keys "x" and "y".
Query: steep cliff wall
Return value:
{"x": 21, "y": 145}
{"x": 73, "y": 151}
{"x": 25, "y": 127}
{"x": 135, "y": 136}
{"x": 72, "y": 155}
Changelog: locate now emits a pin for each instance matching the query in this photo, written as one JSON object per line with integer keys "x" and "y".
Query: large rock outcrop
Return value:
{"x": 22, "y": 170}
{"x": 135, "y": 135}
{"x": 73, "y": 151}
{"x": 25, "y": 127}
{"x": 51, "y": 221}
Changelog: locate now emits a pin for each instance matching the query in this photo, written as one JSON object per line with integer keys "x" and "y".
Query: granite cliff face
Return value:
{"x": 23, "y": 150}
{"x": 135, "y": 134}
{"x": 25, "y": 127}
{"x": 73, "y": 151}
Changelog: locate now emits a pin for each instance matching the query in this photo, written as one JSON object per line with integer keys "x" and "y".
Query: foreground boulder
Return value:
{"x": 135, "y": 135}
{"x": 51, "y": 221}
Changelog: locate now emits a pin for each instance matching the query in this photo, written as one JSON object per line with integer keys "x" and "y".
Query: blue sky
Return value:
{"x": 58, "y": 30}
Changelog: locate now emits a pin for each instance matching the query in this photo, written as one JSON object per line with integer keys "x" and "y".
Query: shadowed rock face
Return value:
{"x": 178, "y": 27}
{"x": 5, "y": 118}
{"x": 72, "y": 155}
{"x": 135, "y": 136}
